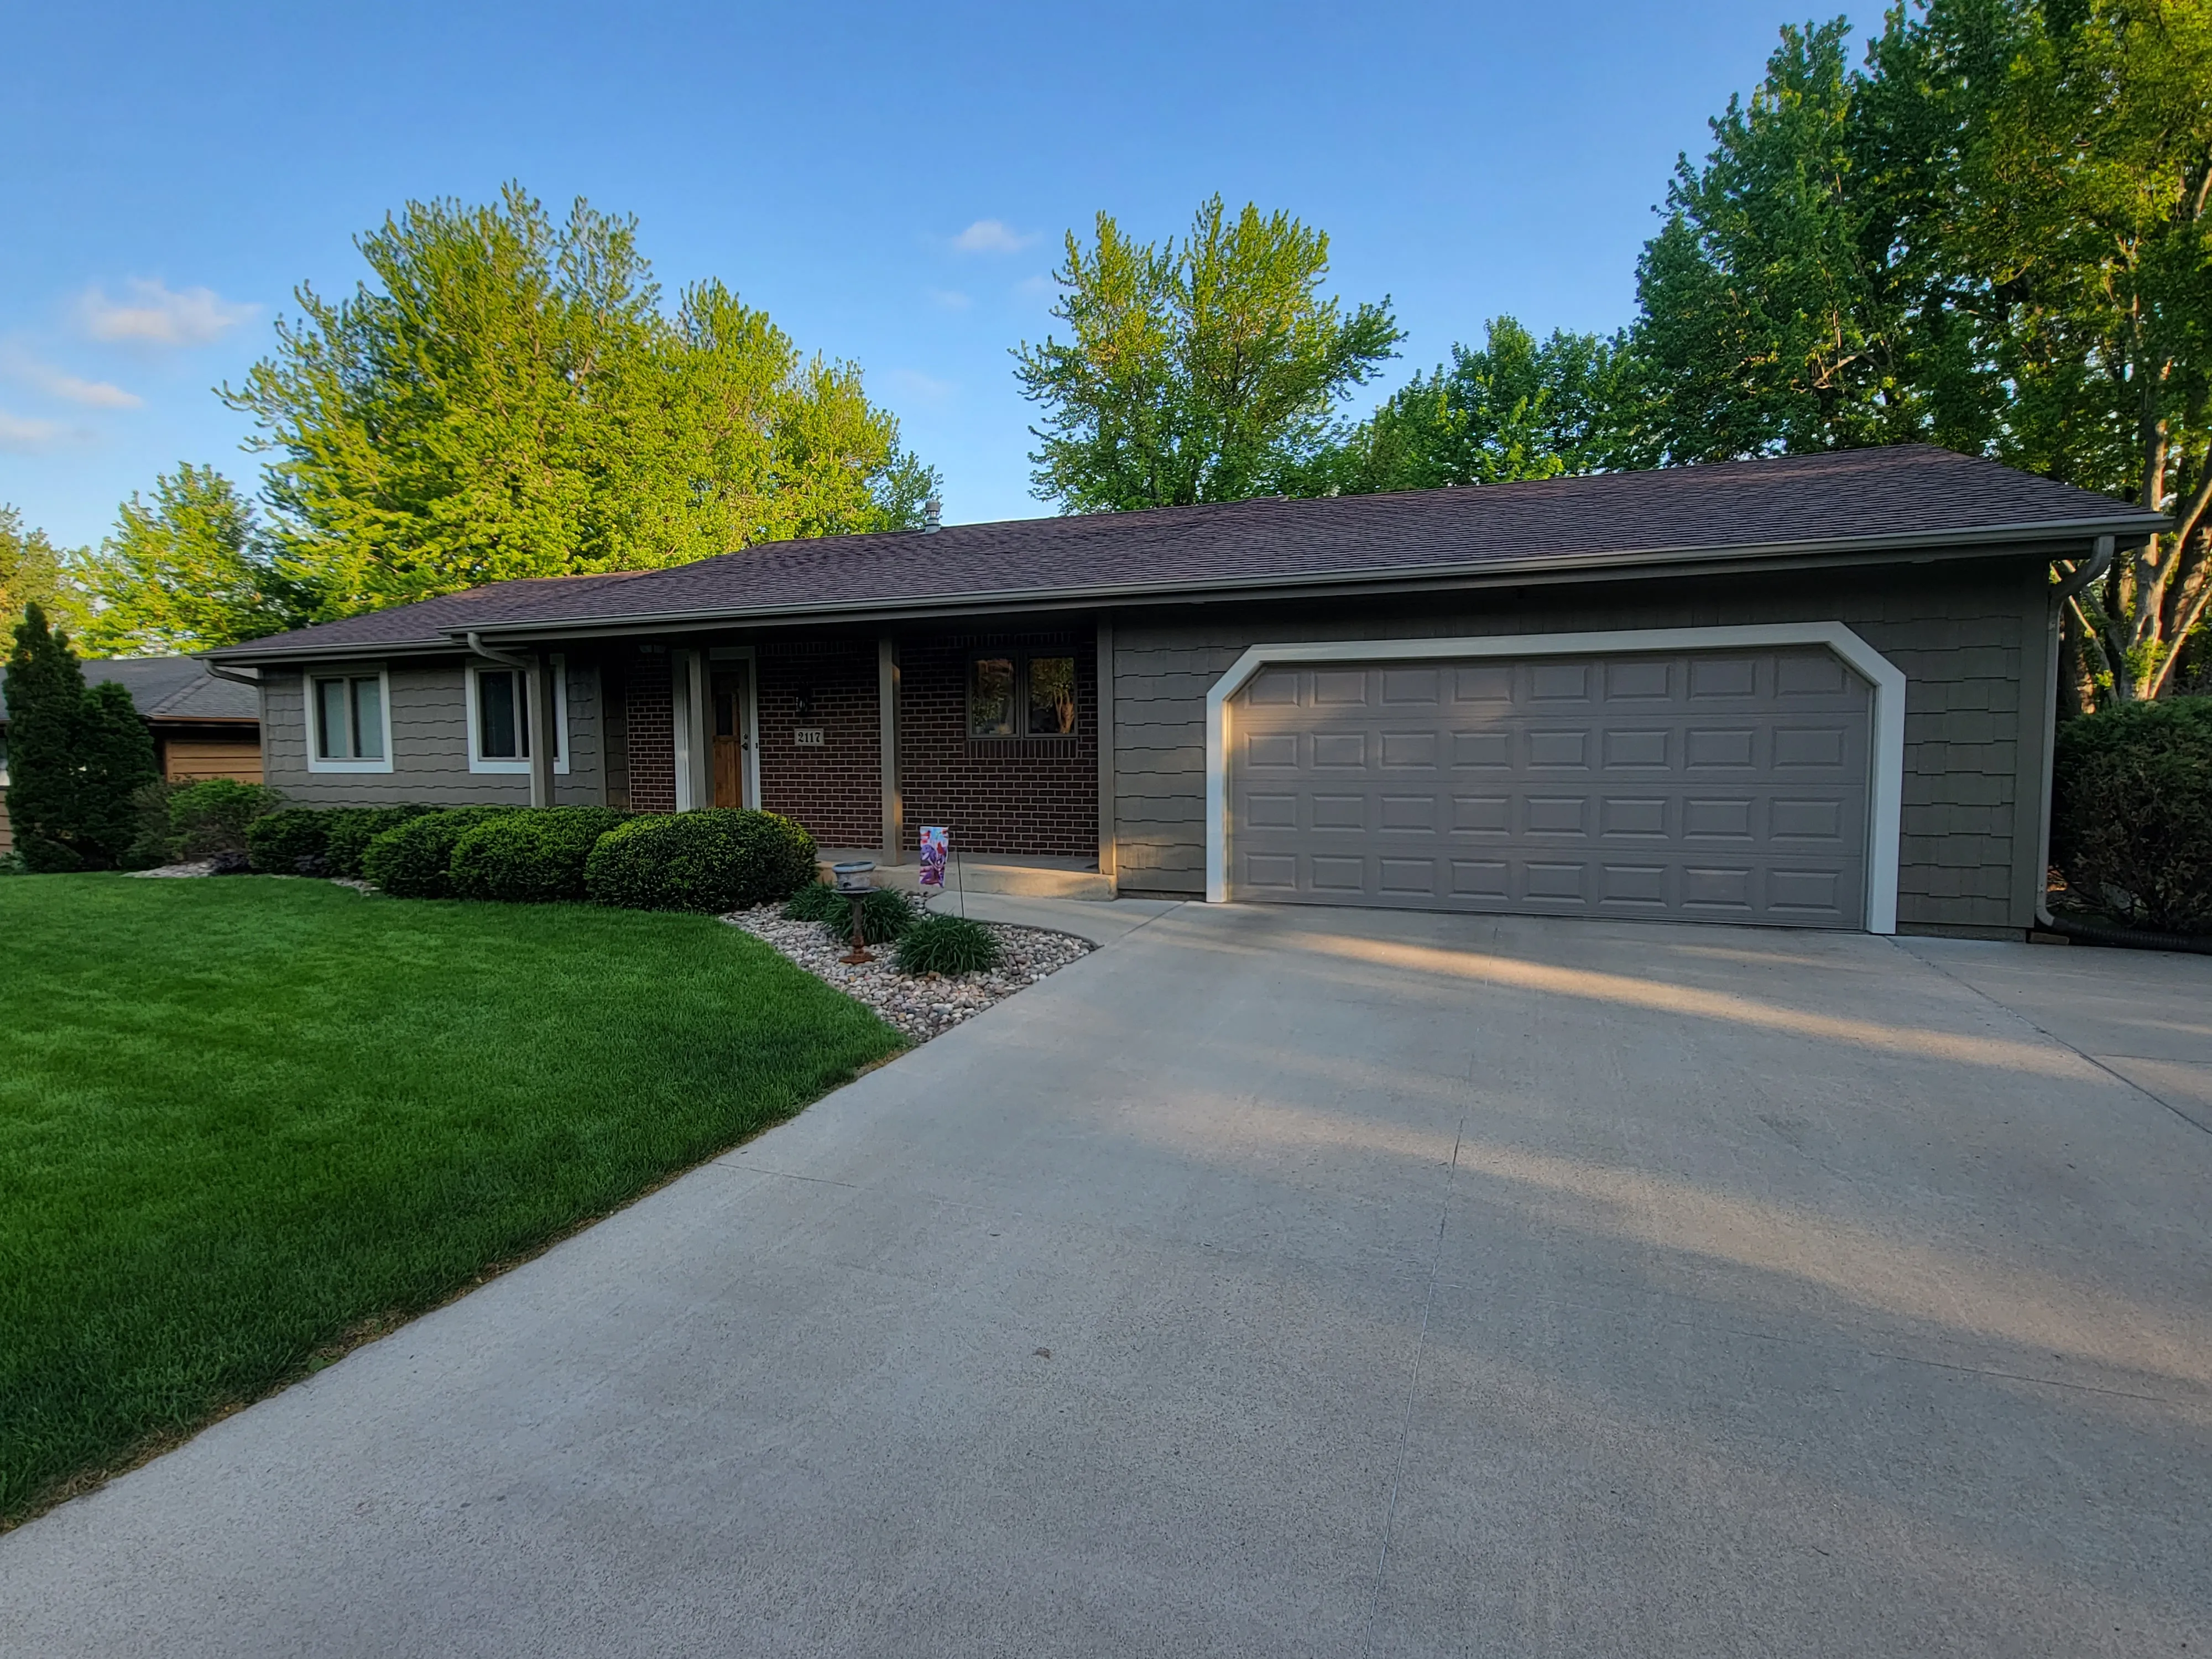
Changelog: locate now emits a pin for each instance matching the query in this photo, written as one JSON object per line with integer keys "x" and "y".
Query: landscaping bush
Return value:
{"x": 215, "y": 816}
{"x": 885, "y": 914}
{"x": 288, "y": 843}
{"x": 530, "y": 858}
{"x": 79, "y": 757}
{"x": 2131, "y": 813}
{"x": 716, "y": 859}
{"x": 414, "y": 859}
{"x": 352, "y": 828}
{"x": 947, "y": 944}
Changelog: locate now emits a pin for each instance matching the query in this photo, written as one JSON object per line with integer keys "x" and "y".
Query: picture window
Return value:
{"x": 1021, "y": 694}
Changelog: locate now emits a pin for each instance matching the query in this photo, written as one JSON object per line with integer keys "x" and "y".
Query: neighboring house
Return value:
{"x": 203, "y": 727}
{"x": 1814, "y": 691}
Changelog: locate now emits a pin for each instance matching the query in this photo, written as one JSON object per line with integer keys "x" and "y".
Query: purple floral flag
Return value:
{"x": 935, "y": 843}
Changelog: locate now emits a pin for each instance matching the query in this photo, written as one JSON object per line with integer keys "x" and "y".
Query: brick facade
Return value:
{"x": 649, "y": 724}
{"x": 1036, "y": 798}
{"x": 836, "y": 791}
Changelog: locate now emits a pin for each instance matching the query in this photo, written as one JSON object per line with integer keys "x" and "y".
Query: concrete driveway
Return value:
{"x": 1286, "y": 1282}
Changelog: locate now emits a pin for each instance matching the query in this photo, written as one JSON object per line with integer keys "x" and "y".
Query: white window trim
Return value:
{"x": 315, "y": 762}
{"x": 478, "y": 762}
{"x": 1885, "y": 805}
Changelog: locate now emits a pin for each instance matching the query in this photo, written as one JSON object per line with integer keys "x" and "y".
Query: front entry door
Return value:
{"x": 728, "y": 699}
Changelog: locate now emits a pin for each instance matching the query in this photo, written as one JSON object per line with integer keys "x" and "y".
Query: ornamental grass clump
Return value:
{"x": 534, "y": 857}
{"x": 2131, "y": 813}
{"x": 885, "y": 913}
{"x": 947, "y": 944}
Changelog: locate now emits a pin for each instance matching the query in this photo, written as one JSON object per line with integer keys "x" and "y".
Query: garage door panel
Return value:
{"x": 1742, "y": 791}
{"x": 1340, "y": 749}
{"x": 1723, "y": 677}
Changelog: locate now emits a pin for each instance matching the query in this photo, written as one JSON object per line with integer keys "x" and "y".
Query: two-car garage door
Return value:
{"x": 1709, "y": 786}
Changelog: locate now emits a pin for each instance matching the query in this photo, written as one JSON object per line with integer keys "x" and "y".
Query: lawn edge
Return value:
{"x": 374, "y": 1327}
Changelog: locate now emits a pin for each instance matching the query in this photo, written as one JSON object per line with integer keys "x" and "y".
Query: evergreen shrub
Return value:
{"x": 533, "y": 857}
{"x": 288, "y": 842}
{"x": 2131, "y": 813}
{"x": 352, "y": 828}
{"x": 714, "y": 859}
{"x": 414, "y": 859}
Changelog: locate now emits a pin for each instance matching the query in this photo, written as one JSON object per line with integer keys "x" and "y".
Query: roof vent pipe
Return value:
{"x": 931, "y": 510}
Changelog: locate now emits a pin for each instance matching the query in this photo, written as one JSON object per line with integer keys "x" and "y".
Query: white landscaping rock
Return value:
{"x": 921, "y": 1007}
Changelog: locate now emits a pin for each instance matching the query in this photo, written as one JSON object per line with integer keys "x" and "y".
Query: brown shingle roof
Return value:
{"x": 1869, "y": 497}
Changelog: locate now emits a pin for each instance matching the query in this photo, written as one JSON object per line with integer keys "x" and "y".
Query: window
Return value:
{"x": 500, "y": 724}
{"x": 1016, "y": 694}
{"x": 348, "y": 727}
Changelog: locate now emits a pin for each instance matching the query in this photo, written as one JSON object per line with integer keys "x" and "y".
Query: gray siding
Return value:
{"x": 1971, "y": 639}
{"x": 429, "y": 743}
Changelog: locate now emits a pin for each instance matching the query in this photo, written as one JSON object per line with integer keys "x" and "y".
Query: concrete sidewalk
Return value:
{"x": 1287, "y": 1282}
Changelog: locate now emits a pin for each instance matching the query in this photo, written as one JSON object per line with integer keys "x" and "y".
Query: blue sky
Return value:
{"x": 890, "y": 183}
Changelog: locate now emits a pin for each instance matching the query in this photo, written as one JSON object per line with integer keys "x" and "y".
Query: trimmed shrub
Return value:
{"x": 778, "y": 852}
{"x": 288, "y": 843}
{"x": 947, "y": 944}
{"x": 530, "y": 857}
{"x": 150, "y": 805}
{"x": 414, "y": 859}
{"x": 2131, "y": 812}
{"x": 716, "y": 859}
{"x": 215, "y": 816}
{"x": 352, "y": 828}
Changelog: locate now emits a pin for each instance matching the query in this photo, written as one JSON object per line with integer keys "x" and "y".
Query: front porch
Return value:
{"x": 987, "y": 873}
{"x": 1003, "y": 738}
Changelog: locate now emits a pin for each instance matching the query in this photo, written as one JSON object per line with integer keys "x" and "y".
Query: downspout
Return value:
{"x": 2100, "y": 561}
{"x": 534, "y": 678}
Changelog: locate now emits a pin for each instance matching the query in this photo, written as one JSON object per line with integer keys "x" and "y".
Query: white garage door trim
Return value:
{"x": 1887, "y": 792}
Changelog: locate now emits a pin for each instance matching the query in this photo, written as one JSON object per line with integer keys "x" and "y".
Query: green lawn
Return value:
{"x": 244, "y": 1121}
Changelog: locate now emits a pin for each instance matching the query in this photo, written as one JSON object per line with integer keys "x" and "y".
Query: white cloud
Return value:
{"x": 70, "y": 388}
{"x": 992, "y": 236}
{"x": 950, "y": 299}
{"x": 154, "y": 314}
{"x": 22, "y": 436}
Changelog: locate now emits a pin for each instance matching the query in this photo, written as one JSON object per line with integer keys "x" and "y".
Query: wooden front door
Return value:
{"x": 728, "y": 698}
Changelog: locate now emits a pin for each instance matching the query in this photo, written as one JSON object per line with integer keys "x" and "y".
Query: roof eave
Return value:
{"x": 2061, "y": 539}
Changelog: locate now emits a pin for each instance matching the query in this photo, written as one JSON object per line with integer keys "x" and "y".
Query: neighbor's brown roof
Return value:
{"x": 1869, "y": 497}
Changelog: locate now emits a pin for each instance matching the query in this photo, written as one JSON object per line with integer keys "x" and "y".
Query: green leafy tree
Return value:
{"x": 1994, "y": 236}
{"x": 189, "y": 571}
{"x": 1204, "y": 371}
{"x": 34, "y": 571}
{"x": 2044, "y": 170}
{"x": 1761, "y": 328}
{"x": 75, "y": 756}
{"x": 1515, "y": 408}
{"x": 505, "y": 397}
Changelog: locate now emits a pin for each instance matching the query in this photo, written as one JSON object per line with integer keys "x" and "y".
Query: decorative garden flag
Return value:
{"x": 935, "y": 843}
